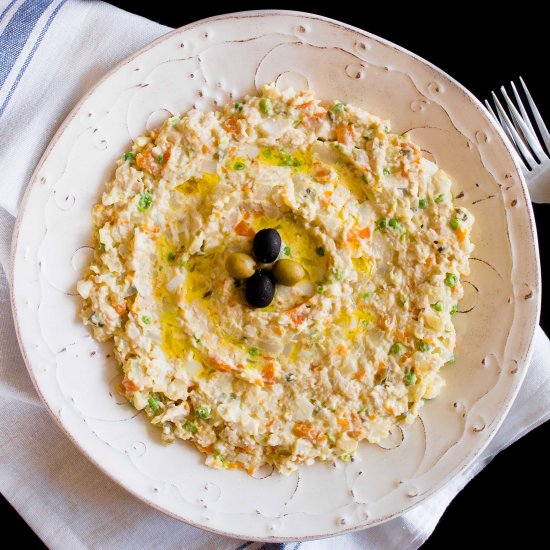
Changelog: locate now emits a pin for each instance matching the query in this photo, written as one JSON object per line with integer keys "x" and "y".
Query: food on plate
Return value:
{"x": 279, "y": 279}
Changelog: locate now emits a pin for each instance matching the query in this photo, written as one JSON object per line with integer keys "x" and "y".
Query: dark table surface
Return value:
{"x": 482, "y": 52}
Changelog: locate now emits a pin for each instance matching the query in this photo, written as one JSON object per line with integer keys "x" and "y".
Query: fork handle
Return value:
{"x": 538, "y": 183}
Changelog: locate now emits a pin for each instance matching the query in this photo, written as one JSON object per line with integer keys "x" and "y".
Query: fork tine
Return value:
{"x": 522, "y": 109}
{"x": 508, "y": 135}
{"x": 536, "y": 115}
{"x": 523, "y": 129}
{"x": 516, "y": 138}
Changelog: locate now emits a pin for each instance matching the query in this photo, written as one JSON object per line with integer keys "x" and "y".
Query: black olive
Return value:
{"x": 260, "y": 289}
{"x": 267, "y": 245}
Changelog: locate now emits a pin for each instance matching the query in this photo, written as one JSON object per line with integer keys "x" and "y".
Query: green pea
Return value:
{"x": 423, "y": 203}
{"x": 145, "y": 201}
{"x": 397, "y": 349}
{"x": 423, "y": 346}
{"x": 451, "y": 280}
{"x": 438, "y": 306}
{"x": 410, "y": 378}
{"x": 265, "y": 106}
{"x": 203, "y": 413}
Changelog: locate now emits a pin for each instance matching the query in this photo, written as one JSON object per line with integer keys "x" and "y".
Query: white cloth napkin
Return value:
{"x": 51, "y": 53}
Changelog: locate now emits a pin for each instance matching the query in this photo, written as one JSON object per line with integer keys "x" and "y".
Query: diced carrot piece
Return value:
{"x": 341, "y": 350}
{"x": 231, "y": 125}
{"x": 344, "y": 134}
{"x": 343, "y": 422}
{"x": 298, "y": 317}
{"x": 268, "y": 373}
{"x": 130, "y": 385}
{"x": 244, "y": 230}
{"x": 461, "y": 235}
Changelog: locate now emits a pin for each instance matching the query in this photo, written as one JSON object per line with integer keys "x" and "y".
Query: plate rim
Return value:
{"x": 505, "y": 406}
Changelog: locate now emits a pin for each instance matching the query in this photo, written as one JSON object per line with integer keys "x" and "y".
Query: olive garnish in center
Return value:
{"x": 259, "y": 289}
{"x": 240, "y": 265}
{"x": 267, "y": 245}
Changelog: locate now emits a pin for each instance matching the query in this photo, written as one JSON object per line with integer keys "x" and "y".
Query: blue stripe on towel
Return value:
{"x": 17, "y": 32}
{"x": 30, "y": 56}
{"x": 8, "y": 7}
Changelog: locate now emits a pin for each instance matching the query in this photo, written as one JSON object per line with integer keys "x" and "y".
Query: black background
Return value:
{"x": 497, "y": 508}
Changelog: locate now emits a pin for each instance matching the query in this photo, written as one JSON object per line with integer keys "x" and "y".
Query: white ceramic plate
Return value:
{"x": 207, "y": 64}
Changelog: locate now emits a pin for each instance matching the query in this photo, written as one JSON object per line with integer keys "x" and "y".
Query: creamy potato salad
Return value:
{"x": 348, "y": 347}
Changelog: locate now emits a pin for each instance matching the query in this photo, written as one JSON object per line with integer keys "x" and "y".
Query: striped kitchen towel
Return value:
{"x": 51, "y": 53}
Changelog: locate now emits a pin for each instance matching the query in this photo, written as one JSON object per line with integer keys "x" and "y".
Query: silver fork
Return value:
{"x": 530, "y": 152}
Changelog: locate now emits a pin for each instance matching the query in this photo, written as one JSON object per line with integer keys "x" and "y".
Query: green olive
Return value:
{"x": 288, "y": 272}
{"x": 240, "y": 265}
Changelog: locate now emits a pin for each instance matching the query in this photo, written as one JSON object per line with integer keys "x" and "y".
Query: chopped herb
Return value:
{"x": 338, "y": 275}
{"x": 423, "y": 346}
{"x": 321, "y": 288}
{"x": 338, "y": 107}
{"x": 239, "y": 106}
{"x": 145, "y": 201}
{"x": 286, "y": 250}
{"x": 101, "y": 246}
{"x": 190, "y": 427}
{"x": 265, "y": 106}
{"x": 253, "y": 352}
{"x": 451, "y": 359}
{"x": 330, "y": 439}
{"x": 170, "y": 257}
{"x": 203, "y": 413}
{"x": 451, "y": 279}
{"x": 365, "y": 295}
{"x": 381, "y": 225}
{"x": 410, "y": 378}
{"x": 296, "y": 123}
{"x": 146, "y": 320}
{"x": 386, "y": 172}
{"x": 120, "y": 368}
{"x": 320, "y": 251}
{"x": 438, "y": 306}
{"x": 129, "y": 155}
{"x": 439, "y": 198}
{"x": 232, "y": 395}
{"x": 386, "y": 129}
{"x": 397, "y": 349}
{"x": 296, "y": 162}
{"x": 160, "y": 159}
{"x": 239, "y": 165}
{"x": 173, "y": 121}
{"x": 154, "y": 404}
{"x": 363, "y": 410}
{"x": 346, "y": 456}
{"x": 370, "y": 134}
{"x": 454, "y": 310}
{"x": 423, "y": 203}
{"x": 266, "y": 153}
{"x": 454, "y": 223}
